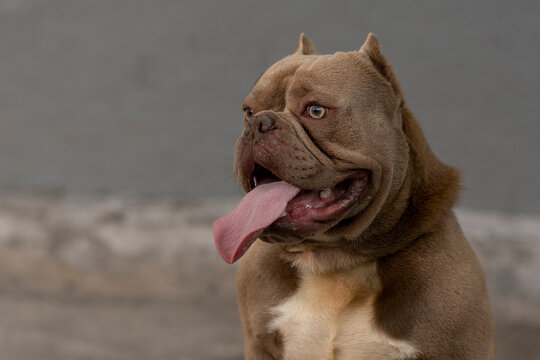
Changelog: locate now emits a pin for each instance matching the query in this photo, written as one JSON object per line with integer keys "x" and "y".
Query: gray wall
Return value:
{"x": 144, "y": 96}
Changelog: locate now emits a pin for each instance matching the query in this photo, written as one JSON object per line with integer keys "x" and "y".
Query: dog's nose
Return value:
{"x": 264, "y": 122}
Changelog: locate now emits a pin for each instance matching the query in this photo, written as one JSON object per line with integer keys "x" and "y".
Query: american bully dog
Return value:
{"x": 354, "y": 250}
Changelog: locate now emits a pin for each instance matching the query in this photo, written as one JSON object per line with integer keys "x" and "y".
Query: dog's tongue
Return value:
{"x": 235, "y": 232}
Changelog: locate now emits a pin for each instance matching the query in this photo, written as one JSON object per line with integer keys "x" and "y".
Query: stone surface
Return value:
{"x": 116, "y": 277}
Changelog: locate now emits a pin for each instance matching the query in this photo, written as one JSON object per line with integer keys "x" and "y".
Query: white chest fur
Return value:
{"x": 331, "y": 316}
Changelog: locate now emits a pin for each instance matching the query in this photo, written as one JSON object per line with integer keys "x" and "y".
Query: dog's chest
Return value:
{"x": 332, "y": 317}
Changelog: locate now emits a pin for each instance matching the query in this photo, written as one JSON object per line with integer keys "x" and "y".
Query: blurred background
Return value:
{"x": 118, "y": 121}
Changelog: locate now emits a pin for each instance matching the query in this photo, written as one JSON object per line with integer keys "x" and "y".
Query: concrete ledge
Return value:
{"x": 120, "y": 255}
{"x": 111, "y": 246}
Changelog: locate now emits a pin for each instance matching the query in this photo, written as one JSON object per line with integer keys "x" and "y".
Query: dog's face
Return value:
{"x": 330, "y": 125}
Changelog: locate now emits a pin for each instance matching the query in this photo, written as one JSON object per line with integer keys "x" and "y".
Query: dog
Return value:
{"x": 351, "y": 247}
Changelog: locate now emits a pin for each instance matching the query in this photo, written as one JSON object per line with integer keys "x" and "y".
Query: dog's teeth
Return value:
{"x": 325, "y": 193}
{"x": 283, "y": 214}
{"x": 254, "y": 181}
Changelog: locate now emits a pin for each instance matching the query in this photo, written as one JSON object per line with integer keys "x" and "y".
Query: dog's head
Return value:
{"x": 336, "y": 127}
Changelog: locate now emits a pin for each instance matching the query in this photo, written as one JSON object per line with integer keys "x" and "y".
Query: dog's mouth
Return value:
{"x": 275, "y": 207}
{"x": 310, "y": 209}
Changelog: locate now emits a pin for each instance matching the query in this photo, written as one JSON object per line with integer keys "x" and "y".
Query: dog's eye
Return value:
{"x": 248, "y": 112}
{"x": 316, "y": 111}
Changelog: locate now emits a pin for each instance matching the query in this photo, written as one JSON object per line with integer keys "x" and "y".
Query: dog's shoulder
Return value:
{"x": 434, "y": 294}
{"x": 264, "y": 270}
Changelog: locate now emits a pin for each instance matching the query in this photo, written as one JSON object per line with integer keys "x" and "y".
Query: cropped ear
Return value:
{"x": 305, "y": 46}
{"x": 372, "y": 50}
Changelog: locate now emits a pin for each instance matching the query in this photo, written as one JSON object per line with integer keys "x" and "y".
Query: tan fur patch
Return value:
{"x": 331, "y": 316}
{"x": 309, "y": 259}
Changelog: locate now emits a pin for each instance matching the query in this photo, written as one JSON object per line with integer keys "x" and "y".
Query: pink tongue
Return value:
{"x": 235, "y": 232}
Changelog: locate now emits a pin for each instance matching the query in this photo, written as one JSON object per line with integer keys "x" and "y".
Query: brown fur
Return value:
{"x": 432, "y": 295}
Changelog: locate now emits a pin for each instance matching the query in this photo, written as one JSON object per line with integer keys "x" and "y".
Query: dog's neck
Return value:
{"x": 321, "y": 259}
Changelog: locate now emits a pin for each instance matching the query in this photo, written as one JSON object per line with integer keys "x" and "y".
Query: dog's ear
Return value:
{"x": 372, "y": 50}
{"x": 305, "y": 46}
